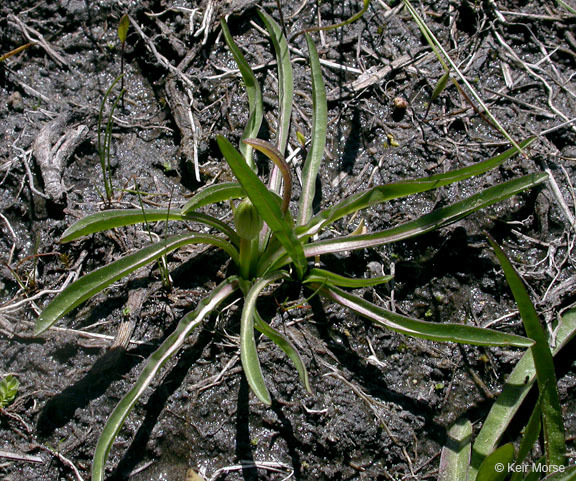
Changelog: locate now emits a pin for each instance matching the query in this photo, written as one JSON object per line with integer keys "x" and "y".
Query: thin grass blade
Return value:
{"x": 569, "y": 474}
{"x": 111, "y": 219}
{"x": 455, "y": 455}
{"x": 212, "y": 194}
{"x": 322, "y": 276}
{"x": 96, "y": 281}
{"x": 318, "y": 140}
{"x": 255, "y": 103}
{"x": 248, "y": 351}
{"x": 396, "y": 190}
{"x": 266, "y": 205}
{"x": 169, "y": 347}
{"x": 443, "y": 57}
{"x": 422, "y": 329}
{"x": 513, "y": 394}
{"x": 552, "y": 421}
{"x": 286, "y": 346}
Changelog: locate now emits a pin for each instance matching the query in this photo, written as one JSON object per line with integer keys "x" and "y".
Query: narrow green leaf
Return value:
{"x": 96, "y": 281}
{"x": 212, "y": 194}
{"x": 318, "y": 141}
{"x": 440, "y": 86}
{"x": 169, "y": 347}
{"x": 429, "y": 222}
{"x": 552, "y": 422}
{"x": 513, "y": 394}
{"x": 321, "y": 276}
{"x": 286, "y": 346}
{"x": 265, "y": 203}
{"x": 123, "y": 28}
{"x": 495, "y": 466}
{"x": 455, "y": 456}
{"x": 529, "y": 438}
{"x": 254, "y": 93}
{"x": 113, "y": 218}
{"x": 285, "y": 80}
{"x": 426, "y": 330}
{"x": 248, "y": 351}
{"x": 396, "y": 190}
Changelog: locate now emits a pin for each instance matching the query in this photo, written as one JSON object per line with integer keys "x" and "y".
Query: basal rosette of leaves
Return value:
{"x": 272, "y": 239}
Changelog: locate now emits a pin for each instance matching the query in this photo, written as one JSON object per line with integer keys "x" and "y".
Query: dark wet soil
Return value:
{"x": 381, "y": 401}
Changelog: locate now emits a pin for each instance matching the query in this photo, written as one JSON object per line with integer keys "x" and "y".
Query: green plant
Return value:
{"x": 270, "y": 245}
{"x": 483, "y": 459}
{"x": 8, "y": 390}
{"x": 105, "y": 141}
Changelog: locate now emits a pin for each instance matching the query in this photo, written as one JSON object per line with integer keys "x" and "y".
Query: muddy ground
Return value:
{"x": 381, "y": 401}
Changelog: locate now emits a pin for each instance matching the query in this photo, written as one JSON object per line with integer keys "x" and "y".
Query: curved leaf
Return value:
{"x": 110, "y": 219}
{"x": 285, "y": 80}
{"x": 286, "y": 346}
{"x": 96, "y": 281}
{"x": 254, "y": 96}
{"x": 212, "y": 194}
{"x": 495, "y": 466}
{"x": 318, "y": 141}
{"x": 265, "y": 203}
{"x": 429, "y": 222}
{"x": 321, "y": 276}
{"x": 248, "y": 351}
{"x": 167, "y": 349}
{"x": 552, "y": 421}
{"x": 426, "y": 330}
{"x": 513, "y": 394}
{"x": 396, "y": 190}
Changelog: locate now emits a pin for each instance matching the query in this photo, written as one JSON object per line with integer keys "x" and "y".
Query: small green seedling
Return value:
{"x": 273, "y": 240}
{"x": 8, "y": 390}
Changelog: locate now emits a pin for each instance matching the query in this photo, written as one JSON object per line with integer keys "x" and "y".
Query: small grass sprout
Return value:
{"x": 273, "y": 240}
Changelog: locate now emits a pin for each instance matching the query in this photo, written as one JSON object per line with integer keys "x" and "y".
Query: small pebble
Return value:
{"x": 15, "y": 102}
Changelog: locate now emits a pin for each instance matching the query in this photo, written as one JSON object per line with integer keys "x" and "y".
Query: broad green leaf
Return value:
{"x": 455, "y": 456}
{"x": 96, "y": 281}
{"x": 254, "y": 93}
{"x": 321, "y": 276}
{"x": 169, "y": 347}
{"x": 426, "y": 330}
{"x": 123, "y": 28}
{"x": 495, "y": 466}
{"x": 396, "y": 190}
{"x": 212, "y": 194}
{"x": 110, "y": 219}
{"x": 265, "y": 203}
{"x": 285, "y": 80}
{"x": 513, "y": 394}
{"x": 318, "y": 141}
{"x": 286, "y": 346}
{"x": 552, "y": 421}
{"x": 429, "y": 222}
{"x": 248, "y": 351}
